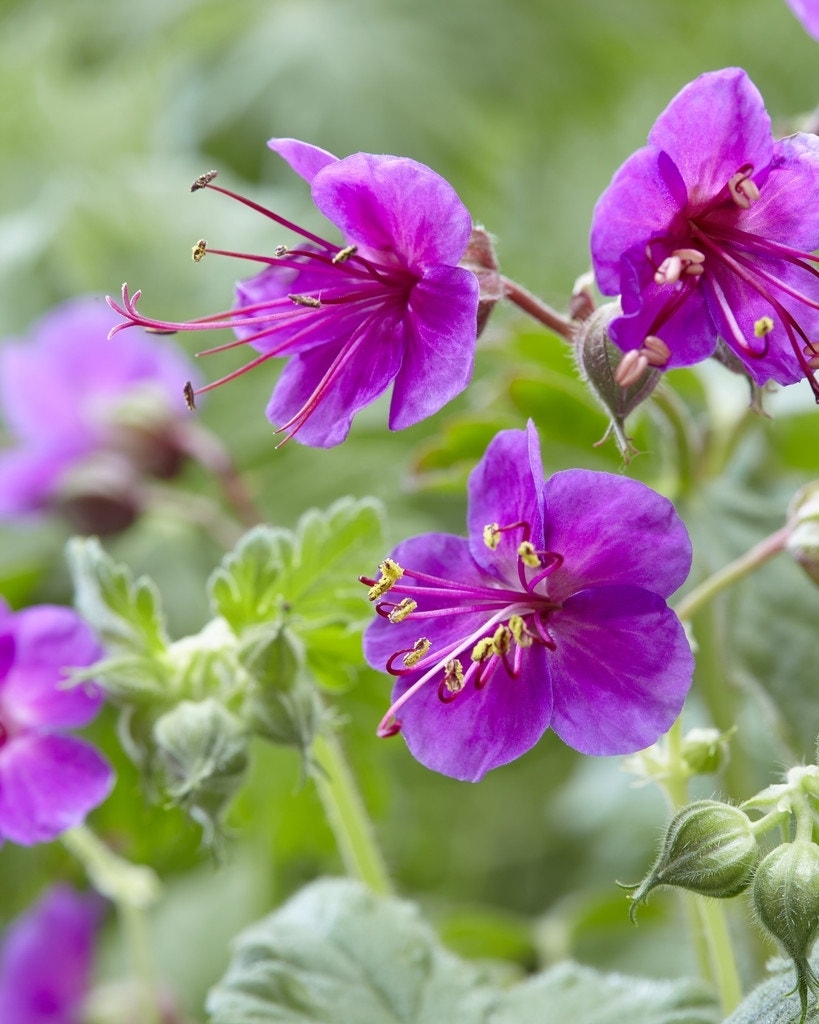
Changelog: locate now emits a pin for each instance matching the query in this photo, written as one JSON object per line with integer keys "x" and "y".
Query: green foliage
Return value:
{"x": 337, "y": 952}
{"x": 775, "y": 1001}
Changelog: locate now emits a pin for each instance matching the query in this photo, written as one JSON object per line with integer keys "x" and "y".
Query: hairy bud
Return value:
{"x": 709, "y": 848}
{"x": 598, "y": 360}
{"x": 786, "y": 898}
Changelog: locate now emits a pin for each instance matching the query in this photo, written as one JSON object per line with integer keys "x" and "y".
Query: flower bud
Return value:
{"x": 99, "y": 496}
{"x": 786, "y": 898}
{"x": 705, "y": 750}
{"x": 282, "y": 705}
{"x": 709, "y": 848}
{"x": 481, "y": 260}
{"x": 597, "y": 360}
{"x": 803, "y": 539}
{"x": 201, "y": 757}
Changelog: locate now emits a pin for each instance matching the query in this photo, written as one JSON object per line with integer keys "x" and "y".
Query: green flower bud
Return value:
{"x": 282, "y": 705}
{"x": 200, "y": 756}
{"x": 598, "y": 361}
{"x": 705, "y": 750}
{"x": 709, "y": 848}
{"x": 786, "y": 898}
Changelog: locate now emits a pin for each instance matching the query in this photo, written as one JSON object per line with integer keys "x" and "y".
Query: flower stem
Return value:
{"x": 347, "y": 816}
{"x": 132, "y": 888}
{"x": 743, "y": 566}
{"x": 539, "y": 310}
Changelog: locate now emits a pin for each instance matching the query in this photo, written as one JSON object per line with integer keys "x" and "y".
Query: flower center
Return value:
{"x": 500, "y": 621}
{"x": 718, "y": 248}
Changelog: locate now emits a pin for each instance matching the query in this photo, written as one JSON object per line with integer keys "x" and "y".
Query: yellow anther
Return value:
{"x": 528, "y": 555}
{"x": 419, "y": 649}
{"x": 404, "y": 608}
{"x": 344, "y": 254}
{"x": 454, "y": 676}
{"x": 305, "y": 300}
{"x": 491, "y": 535}
{"x": 517, "y": 627}
{"x": 502, "y": 640}
{"x": 391, "y": 573}
{"x": 199, "y": 250}
{"x": 203, "y": 180}
{"x": 483, "y": 649}
{"x": 764, "y": 325}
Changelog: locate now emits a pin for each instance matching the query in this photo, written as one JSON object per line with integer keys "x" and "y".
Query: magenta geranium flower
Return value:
{"x": 807, "y": 11}
{"x": 708, "y": 232}
{"x": 47, "y": 957}
{"x": 552, "y": 614}
{"x": 67, "y": 393}
{"x": 49, "y": 780}
{"x": 387, "y": 305}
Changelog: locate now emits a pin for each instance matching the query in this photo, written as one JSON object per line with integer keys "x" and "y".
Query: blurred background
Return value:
{"x": 110, "y": 109}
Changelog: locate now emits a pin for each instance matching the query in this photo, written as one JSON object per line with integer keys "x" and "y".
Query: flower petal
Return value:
{"x": 689, "y": 331}
{"x": 807, "y": 11}
{"x": 29, "y": 477}
{"x": 441, "y": 332}
{"x": 506, "y": 487}
{"x": 351, "y": 373}
{"x": 48, "y": 784}
{"x": 645, "y": 200}
{"x": 47, "y": 958}
{"x": 786, "y": 210}
{"x": 62, "y": 387}
{"x": 480, "y": 729}
{"x": 712, "y": 128}
{"x": 49, "y": 639}
{"x": 736, "y": 307}
{"x": 305, "y": 159}
{"x": 621, "y": 670}
{"x": 611, "y": 529}
{"x": 396, "y": 207}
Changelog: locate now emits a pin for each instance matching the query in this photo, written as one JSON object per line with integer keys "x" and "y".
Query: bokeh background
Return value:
{"x": 109, "y": 110}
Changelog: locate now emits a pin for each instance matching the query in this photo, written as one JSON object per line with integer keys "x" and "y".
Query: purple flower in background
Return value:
{"x": 390, "y": 304}
{"x": 49, "y": 781}
{"x": 708, "y": 232}
{"x": 68, "y": 394}
{"x": 552, "y": 614}
{"x": 807, "y": 11}
{"x": 47, "y": 958}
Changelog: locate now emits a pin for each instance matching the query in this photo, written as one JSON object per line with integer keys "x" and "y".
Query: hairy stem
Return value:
{"x": 539, "y": 310}
{"x": 347, "y": 815}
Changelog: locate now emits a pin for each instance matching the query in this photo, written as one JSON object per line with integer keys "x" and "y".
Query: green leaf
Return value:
{"x": 307, "y": 579}
{"x": 775, "y": 1001}
{"x": 126, "y": 613}
{"x": 337, "y": 952}
{"x": 569, "y": 992}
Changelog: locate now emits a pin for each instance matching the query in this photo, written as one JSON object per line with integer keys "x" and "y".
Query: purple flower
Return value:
{"x": 47, "y": 958}
{"x": 49, "y": 781}
{"x": 68, "y": 393}
{"x": 388, "y": 305}
{"x": 708, "y": 231}
{"x": 807, "y": 11}
{"x": 551, "y": 615}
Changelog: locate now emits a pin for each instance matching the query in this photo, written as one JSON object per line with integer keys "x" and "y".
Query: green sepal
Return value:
{"x": 199, "y": 760}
